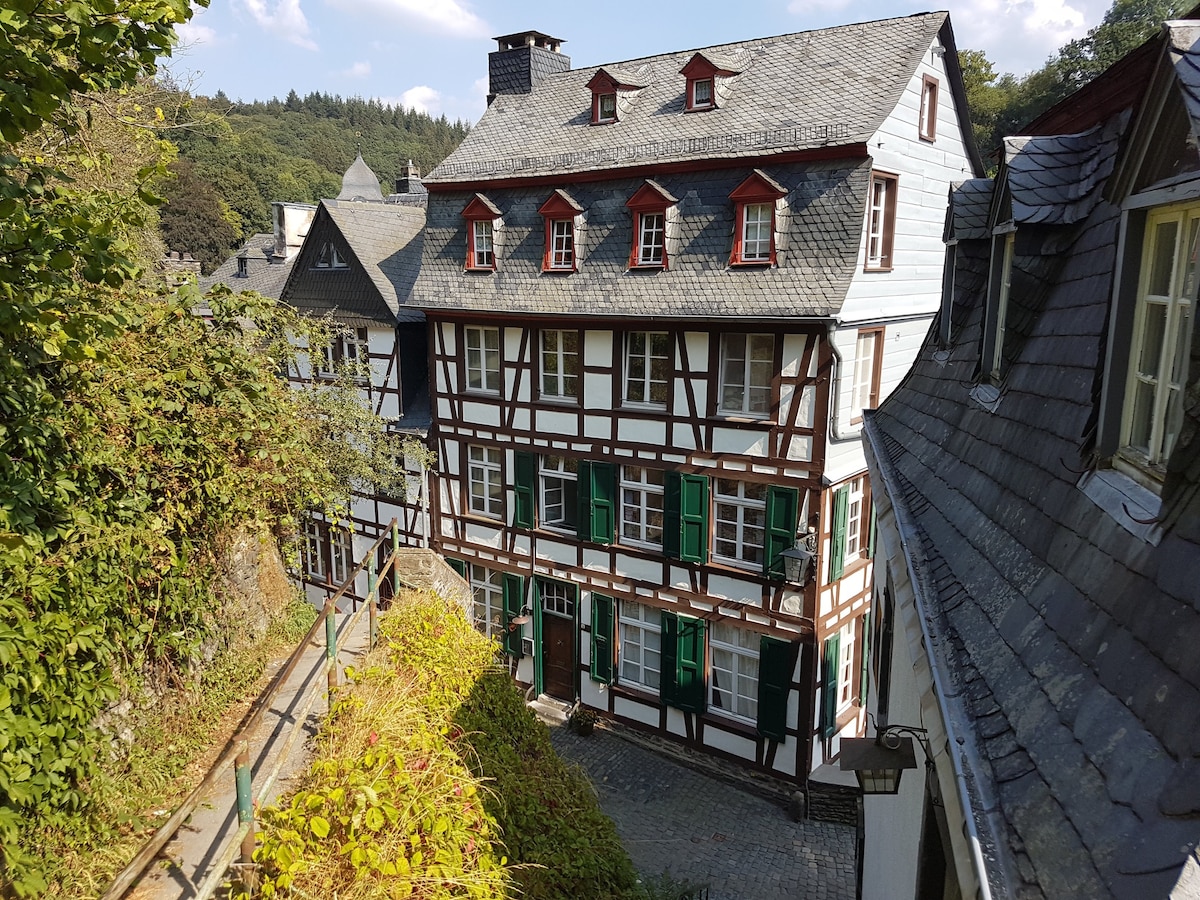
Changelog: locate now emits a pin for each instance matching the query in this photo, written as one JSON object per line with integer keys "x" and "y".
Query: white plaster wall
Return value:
{"x": 925, "y": 172}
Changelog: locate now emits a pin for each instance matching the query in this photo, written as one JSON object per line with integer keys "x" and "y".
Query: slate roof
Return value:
{"x": 1052, "y": 179}
{"x": 1184, "y": 48}
{"x": 817, "y": 250}
{"x": 264, "y": 273}
{"x": 1070, "y": 643}
{"x": 812, "y": 89}
{"x": 967, "y": 213}
{"x": 360, "y": 183}
{"x": 382, "y": 244}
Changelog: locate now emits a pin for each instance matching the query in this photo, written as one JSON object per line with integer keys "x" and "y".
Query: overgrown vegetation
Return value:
{"x": 433, "y": 779}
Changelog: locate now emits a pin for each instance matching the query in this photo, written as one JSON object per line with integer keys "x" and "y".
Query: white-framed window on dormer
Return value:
{"x": 702, "y": 93}
{"x": 482, "y": 217}
{"x": 881, "y": 222}
{"x": 999, "y": 288}
{"x": 649, "y": 206}
{"x": 605, "y": 108}
{"x": 651, "y": 239}
{"x": 1152, "y": 412}
{"x": 927, "y": 127}
{"x": 560, "y": 213}
{"x": 754, "y": 202}
{"x": 329, "y": 258}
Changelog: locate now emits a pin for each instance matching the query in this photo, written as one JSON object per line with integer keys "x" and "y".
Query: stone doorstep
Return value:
{"x": 826, "y": 802}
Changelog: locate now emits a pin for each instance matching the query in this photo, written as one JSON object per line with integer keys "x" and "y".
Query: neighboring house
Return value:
{"x": 1037, "y": 590}
{"x": 265, "y": 260}
{"x": 357, "y": 267}
{"x": 660, "y": 294}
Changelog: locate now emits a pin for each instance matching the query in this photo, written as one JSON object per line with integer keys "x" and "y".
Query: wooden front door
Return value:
{"x": 557, "y": 652}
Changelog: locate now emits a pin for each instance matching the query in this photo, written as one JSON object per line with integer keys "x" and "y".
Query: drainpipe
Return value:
{"x": 835, "y": 391}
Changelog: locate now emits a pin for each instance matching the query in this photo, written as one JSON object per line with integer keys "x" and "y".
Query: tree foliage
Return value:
{"x": 194, "y": 217}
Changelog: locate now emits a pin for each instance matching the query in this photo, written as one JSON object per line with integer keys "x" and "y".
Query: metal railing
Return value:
{"x": 237, "y": 751}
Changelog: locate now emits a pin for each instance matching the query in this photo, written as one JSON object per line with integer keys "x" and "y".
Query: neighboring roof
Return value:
{"x": 819, "y": 228}
{"x": 381, "y": 243}
{"x": 360, "y": 183}
{"x": 1184, "y": 49}
{"x": 265, "y": 273}
{"x": 1067, "y": 643}
{"x": 833, "y": 86}
{"x": 967, "y": 213}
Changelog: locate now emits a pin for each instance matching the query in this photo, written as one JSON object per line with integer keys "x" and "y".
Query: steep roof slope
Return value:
{"x": 381, "y": 243}
{"x": 812, "y": 89}
{"x": 264, "y": 273}
{"x": 1070, "y": 640}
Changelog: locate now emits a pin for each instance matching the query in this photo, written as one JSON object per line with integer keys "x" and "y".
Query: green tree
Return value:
{"x": 193, "y": 217}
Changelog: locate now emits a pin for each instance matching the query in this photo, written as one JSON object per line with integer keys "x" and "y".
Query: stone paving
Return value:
{"x": 672, "y": 818}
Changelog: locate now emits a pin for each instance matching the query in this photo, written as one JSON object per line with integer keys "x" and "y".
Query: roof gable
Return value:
{"x": 703, "y": 65}
{"x": 560, "y": 205}
{"x": 758, "y": 186}
{"x": 650, "y": 195}
{"x": 481, "y": 207}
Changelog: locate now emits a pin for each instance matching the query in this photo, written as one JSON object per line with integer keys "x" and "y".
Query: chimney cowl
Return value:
{"x": 522, "y": 60}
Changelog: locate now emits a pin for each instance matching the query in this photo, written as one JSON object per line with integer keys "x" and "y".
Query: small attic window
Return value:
{"x": 702, "y": 94}
{"x": 329, "y": 258}
{"x": 605, "y": 85}
{"x": 754, "y": 220}
{"x": 483, "y": 220}
{"x": 243, "y": 267}
{"x": 650, "y": 206}
{"x": 702, "y": 73}
{"x": 606, "y": 108}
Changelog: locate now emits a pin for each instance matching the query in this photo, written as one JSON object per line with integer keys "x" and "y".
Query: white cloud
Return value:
{"x": 1018, "y": 36}
{"x": 358, "y": 70}
{"x": 422, "y": 98}
{"x": 286, "y": 20}
{"x": 448, "y": 17}
{"x": 191, "y": 33}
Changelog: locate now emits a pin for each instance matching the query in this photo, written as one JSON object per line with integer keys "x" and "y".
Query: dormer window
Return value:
{"x": 650, "y": 206}
{"x": 605, "y": 85}
{"x": 754, "y": 220}
{"x": 702, "y": 73}
{"x": 560, "y": 213}
{"x": 606, "y": 108}
{"x": 329, "y": 258}
{"x": 482, "y": 218}
{"x": 243, "y": 267}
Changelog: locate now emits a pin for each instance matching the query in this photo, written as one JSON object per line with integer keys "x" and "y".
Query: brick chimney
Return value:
{"x": 522, "y": 61}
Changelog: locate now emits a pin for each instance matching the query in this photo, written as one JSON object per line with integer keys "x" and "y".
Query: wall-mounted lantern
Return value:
{"x": 879, "y": 762}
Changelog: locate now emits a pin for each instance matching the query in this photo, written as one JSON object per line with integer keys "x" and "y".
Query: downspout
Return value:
{"x": 835, "y": 389}
{"x": 966, "y": 758}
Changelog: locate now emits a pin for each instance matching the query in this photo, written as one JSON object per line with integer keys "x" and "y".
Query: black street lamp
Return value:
{"x": 879, "y": 762}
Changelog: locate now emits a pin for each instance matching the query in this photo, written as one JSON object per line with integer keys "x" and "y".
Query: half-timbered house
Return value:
{"x": 660, "y": 294}
{"x": 356, "y": 268}
{"x": 1037, "y": 590}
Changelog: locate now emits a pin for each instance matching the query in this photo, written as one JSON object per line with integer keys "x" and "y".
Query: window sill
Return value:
{"x": 714, "y": 715}
{"x": 721, "y": 418}
{"x": 637, "y": 406}
{"x": 1129, "y": 504}
{"x": 634, "y": 544}
{"x": 877, "y": 268}
{"x": 636, "y": 692}
{"x": 741, "y": 567}
{"x": 648, "y": 267}
{"x": 928, "y": 138}
{"x": 473, "y": 515}
{"x": 554, "y": 400}
{"x": 751, "y": 263}
{"x": 482, "y": 392}
{"x": 481, "y": 270}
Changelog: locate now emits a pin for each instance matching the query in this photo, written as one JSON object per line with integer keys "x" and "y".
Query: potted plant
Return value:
{"x": 582, "y": 720}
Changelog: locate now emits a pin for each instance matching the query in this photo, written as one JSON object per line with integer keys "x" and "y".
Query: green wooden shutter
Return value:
{"x": 871, "y": 539}
{"x": 524, "y": 484}
{"x": 865, "y": 670}
{"x": 837, "y": 542}
{"x": 783, "y": 508}
{"x": 776, "y": 660}
{"x": 669, "y": 657}
{"x": 597, "y": 492}
{"x": 829, "y": 687}
{"x": 682, "y": 679}
{"x": 513, "y": 592}
{"x": 602, "y": 639}
{"x": 539, "y": 655}
{"x": 685, "y": 517}
{"x": 457, "y": 565}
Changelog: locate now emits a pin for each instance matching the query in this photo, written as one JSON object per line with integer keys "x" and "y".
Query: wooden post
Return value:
{"x": 331, "y": 647}
{"x": 245, "y": 810}
{"x": 372, "y": 602}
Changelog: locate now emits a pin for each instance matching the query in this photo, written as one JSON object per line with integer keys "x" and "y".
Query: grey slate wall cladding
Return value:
{"x": 826, "y": 207}
{"x": 516, "y": 71}
{"x": 1074, "y": 646}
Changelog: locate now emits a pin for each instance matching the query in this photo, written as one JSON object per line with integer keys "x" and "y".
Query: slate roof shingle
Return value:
{"x": 264, "y": 273}
{"x": 811, "y": 89}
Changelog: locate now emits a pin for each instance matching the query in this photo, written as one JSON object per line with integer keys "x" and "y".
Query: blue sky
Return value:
{"x": 432, "y": 54}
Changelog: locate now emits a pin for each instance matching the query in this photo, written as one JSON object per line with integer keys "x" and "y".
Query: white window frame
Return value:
{"x": 757, "y": 219}
{"x": 329, "y": 258}
{"x": 482, "y": 358}
{"x": 555, "y": 598}
{"x": 1164, "y": 379}
{"x": 866, "y": 375}
{"x": 606, "y": 107}
{"x": 558, "y": 492}
{"x": 641, "y": 644}
{"x": 697, "y": 102}
{"x": 483, "y": 244}
{"x": 879, "y": 223}
{"x": 747, "y": 372}
{"x": 487, "y": 597}
{"x": 562, "y": 244}
{"x": 485, "y": 468}
{"x": 314, "y": 550}
{"x": 341, "y": 555}
{"x": 642, "y": 504}
{"x": 652, "y": 238}
{"x": 846, "y": 667}
{"x": 733, "y": 671}
{"x": 1003, "y": 289}
{"x": 855, "y": 499}
{"x": 647, "y": 360}
{"x": 560, "y": 365}
{"x": 927, "y": 126}
{"x": 745, "y": 516}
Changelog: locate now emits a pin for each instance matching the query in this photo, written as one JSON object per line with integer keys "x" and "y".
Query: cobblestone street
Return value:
{"x": 744, "y": 847}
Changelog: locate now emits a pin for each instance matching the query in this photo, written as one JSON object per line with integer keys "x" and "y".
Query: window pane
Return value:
{"x": 1162, "y": 263}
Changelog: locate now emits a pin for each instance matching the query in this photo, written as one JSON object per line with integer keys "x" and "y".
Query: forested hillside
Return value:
{"x": 243, "y": 156}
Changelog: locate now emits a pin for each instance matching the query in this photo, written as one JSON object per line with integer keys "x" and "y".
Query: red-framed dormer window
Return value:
{"x": 604, "y": 86}
{"x": 650, "y": 206}
{"x": 701, "y": 74}
{"x": 559, "y": 212}
{"x": 481, "y": 215}
{"x": 754, "y": 220}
